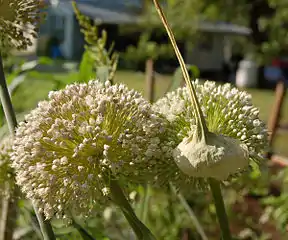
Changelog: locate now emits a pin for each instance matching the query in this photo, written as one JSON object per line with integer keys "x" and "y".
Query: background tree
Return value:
{"x": 267, "y": 19}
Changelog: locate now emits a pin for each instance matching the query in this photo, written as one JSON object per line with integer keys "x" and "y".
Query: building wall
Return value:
{"x": 59, "y": 24}
{"x": 208, "y": 53}
{"x": 78, "y": 41}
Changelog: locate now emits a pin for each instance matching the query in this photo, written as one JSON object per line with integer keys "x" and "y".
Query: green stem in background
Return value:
{"x": 145, "y": 205}
{"x": 84, "y": 234}
{"x": 12, "y": 124}
{"x": 190, "y": 213}
{"x": 118, "y": 197}
{"x": 220, "y": 208}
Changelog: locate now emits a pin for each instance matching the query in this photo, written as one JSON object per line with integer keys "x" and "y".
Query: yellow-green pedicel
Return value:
{"x": 83, "y": 132}
{"x": 236, "y": 134}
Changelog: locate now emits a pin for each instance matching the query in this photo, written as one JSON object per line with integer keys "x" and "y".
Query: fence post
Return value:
{"x": 150, "y": 80}
{"x": 275, "y": 116}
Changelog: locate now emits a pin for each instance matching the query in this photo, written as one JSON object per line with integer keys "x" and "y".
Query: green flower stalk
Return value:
{"x": 19, "y": 22}
{"x": 217, "y": 131}
{"x": 71, "y": 148}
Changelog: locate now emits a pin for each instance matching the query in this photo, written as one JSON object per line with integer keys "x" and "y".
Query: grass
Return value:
{"x": 27, "y": 98}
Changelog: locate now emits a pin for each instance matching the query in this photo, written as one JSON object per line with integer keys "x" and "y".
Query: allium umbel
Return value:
{"x": 82, "y": 133}
{"x": 19, "y": 20}
{"x": 229, "y": 113}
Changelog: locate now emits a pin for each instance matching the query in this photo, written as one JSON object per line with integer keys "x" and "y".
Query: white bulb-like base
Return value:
{"x": 218, "y": 157}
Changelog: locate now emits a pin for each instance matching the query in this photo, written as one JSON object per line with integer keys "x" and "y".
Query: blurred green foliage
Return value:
{"x": 97, "y": 56}
{"x": 267, "y": 19}
{"x": 146, "y": 49}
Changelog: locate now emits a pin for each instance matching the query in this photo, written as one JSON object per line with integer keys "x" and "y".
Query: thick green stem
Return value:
{"x": 45, "y": 225}
{"x": 12, "y": 124}
{"x": 220, "y": 208}
{"x": 118, "y": 197}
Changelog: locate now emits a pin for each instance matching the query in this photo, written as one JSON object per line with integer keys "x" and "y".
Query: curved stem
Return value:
{"x": 201, "y": 124}
{"x": 118, "y": 197}
{"x": 12, "y": 124}
{"x": 220, "y": 208}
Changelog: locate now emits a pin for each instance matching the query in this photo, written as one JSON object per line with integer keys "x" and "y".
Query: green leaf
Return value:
{"x": 178, "y": 79}
{"x": 86, "y": 70}
{"x": 195, "y": 71}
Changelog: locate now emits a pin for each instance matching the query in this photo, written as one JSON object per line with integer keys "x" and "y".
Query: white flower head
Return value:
{"x": 236, "y": 134}
{"x": 69, "y": 144}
